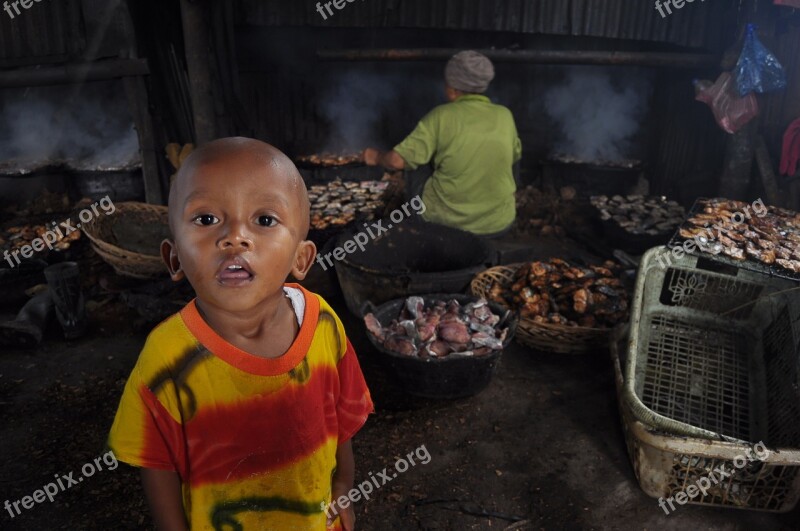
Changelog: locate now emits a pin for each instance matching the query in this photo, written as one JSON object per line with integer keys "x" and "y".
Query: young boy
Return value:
{"x": 241, "y": 407}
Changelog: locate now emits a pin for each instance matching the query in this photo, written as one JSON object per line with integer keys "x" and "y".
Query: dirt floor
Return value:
{"x": 540, "y": 448}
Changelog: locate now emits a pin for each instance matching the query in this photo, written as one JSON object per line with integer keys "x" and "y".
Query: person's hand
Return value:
{"x": 347, "y": 517}
{"x": 371, "y": 156}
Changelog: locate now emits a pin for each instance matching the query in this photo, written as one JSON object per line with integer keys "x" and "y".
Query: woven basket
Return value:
{"x": 124, "y": 261}
{"x": 542, "y": 336}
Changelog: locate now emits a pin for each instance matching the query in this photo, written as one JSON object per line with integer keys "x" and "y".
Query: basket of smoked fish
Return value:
{"x": 440, "y": 346}
{"x": 563, "y": 308}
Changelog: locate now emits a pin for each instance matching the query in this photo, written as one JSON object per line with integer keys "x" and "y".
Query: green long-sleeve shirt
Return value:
{"x": 473, "y": 144}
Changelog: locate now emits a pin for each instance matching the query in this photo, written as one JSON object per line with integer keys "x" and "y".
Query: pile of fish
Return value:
{"x": 440, "y": 330}
{"x": 329, "y": 160}
{"x": 564, "y": 158}
{"x": 639, "y": 214}
{"x": 555, "y": 292}
{"x": 16, "y": 237}
{"x": 769, "y": 235}
{"x": 338, "y": 203}
{"x": 540, "y": 214}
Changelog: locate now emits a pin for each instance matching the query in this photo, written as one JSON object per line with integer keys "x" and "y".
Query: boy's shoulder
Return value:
{"x": 328, "y": 326}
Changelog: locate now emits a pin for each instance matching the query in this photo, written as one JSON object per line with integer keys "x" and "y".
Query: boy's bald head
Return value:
{"x": 267, "y": 161}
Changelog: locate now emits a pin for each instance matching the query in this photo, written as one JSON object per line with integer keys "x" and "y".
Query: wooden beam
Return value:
{"x": 73, "y": 73}
{"x": 583, "y": 57}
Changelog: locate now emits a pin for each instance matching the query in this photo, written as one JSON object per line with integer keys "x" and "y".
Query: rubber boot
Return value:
{"x": 65, "y": 286}
{"x": 27, "y": 330}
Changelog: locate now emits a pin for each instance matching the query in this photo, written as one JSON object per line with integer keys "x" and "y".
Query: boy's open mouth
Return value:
{"x": 234, "y": 271}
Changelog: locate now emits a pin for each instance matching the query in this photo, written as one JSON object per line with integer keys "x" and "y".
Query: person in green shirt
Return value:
{"x": 472, "y": 143}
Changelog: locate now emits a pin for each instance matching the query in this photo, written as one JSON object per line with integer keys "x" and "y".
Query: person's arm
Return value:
{"x": 391, "y": 160}
{"x": 343, "y": 480}
{"x": 414, "y": 151}
{"x": 163, "y": 491}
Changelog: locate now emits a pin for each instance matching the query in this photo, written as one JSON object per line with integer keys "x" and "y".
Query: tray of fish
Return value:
{"x": 329, "y": 160}
{"x": 340, "y": 202}
{"x": 440, "y": 346}
{"x": 639, "y": 214}
{"x": 756, "y": 237}
{"x": 563, "y": 158}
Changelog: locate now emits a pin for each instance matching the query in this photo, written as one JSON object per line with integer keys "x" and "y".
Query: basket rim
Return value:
{"x": 96, "y": 222}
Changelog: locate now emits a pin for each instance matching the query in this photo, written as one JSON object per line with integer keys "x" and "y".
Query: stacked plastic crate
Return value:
{"x": 709, "y": 370}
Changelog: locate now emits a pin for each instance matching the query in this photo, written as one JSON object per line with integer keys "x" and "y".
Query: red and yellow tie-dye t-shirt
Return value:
{"x": 253, "y": 439}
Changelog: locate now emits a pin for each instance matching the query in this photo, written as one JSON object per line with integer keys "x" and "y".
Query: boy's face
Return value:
{"x": 239, "y": 216}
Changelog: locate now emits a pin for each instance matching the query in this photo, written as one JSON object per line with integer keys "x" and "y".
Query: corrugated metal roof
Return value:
{"x": 46, "y": 32}
{"x": 697, "y": 24}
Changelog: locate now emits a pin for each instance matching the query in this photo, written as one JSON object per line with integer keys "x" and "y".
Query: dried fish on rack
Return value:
{"x": 16, "y": 237}
{"x": 639, "y": 214}
{"x": 556, "y": 292}
{"x": 564, "y": 158}
{"x": 338, "y": 203}
{"x": 768, "y": 235}
{"x": 331, "y": 159}
{"x": 440, "y": 330}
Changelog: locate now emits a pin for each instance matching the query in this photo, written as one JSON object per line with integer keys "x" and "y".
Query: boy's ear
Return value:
{"x": 170, "y": 257}
{"x": 303, "y": 259}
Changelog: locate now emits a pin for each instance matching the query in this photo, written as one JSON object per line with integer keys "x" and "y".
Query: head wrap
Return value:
{"x": 469, "y": 71}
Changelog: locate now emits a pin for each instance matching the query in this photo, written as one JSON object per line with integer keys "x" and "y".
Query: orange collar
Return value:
{"x": 250, "y": 362}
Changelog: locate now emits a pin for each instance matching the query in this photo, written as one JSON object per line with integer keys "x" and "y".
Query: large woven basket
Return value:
{"x": 144, "y": 262}
{"x": 542, "y": 336}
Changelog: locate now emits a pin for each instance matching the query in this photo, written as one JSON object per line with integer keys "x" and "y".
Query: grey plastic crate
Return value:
{"x": 666, "y": 464}
{"x": 713, "y": 351}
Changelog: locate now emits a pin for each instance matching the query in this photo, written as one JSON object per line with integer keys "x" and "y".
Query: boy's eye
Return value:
{"x": 205, "y": 219}
{"x": 266, "y": 221}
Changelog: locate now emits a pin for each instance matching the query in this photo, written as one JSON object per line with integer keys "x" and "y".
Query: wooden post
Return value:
{"x": 767, "y": 173}
{"x": 136, "y": 92}
{"x": 197, "y": 43}
{"x": 738, "y": 163}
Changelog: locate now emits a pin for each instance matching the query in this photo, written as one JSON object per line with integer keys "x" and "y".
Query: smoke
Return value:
{"x": 597, "y": 118}
{"x": 353, "y": 108}
{"x": 84, "y": 129}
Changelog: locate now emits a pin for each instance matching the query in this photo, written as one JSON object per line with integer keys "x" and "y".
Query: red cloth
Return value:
{"x": 790, "y": 154}
{"x": 790, "y": 3}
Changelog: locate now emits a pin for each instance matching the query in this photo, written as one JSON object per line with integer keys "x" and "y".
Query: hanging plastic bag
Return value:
{"x": 757, "y": 69}
{"x": 730, "y": 111}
